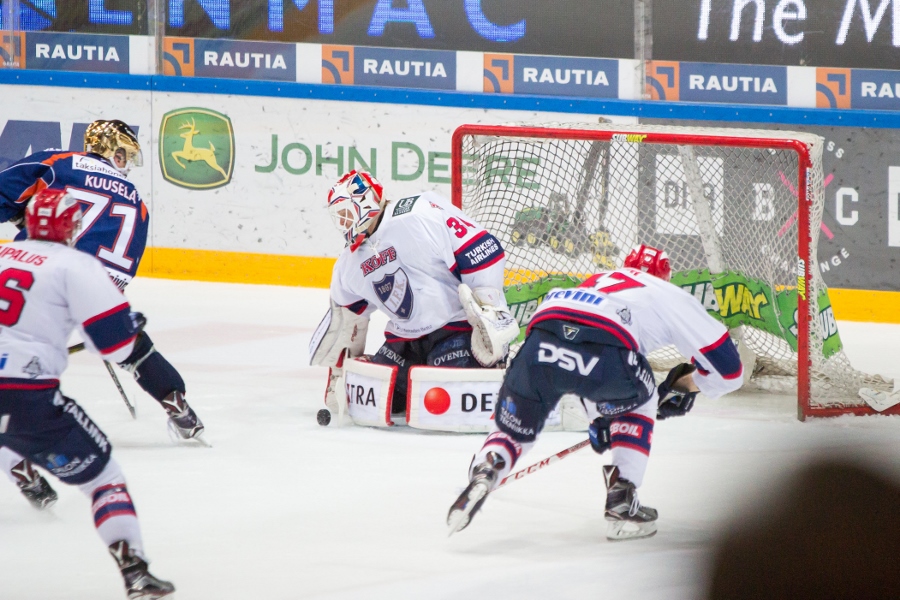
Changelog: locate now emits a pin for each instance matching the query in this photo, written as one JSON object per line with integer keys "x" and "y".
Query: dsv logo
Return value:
{"x": 566, "y": 359}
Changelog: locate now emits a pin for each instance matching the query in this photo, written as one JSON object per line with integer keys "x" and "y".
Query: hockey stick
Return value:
{"x": 121, "y": 391}
{"x": 78, "y": 348}
{"x": 544, "y": 463}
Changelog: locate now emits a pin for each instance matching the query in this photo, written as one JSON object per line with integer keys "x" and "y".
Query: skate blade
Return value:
{"x": 459, "y": 519}
{"x": 618, "y": 531}
{"x": 152, "y": 596}
{"x": 879, "y": 401}
{"x": 197, "y": 439}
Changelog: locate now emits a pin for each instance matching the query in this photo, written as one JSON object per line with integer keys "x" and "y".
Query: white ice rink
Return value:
{"x": 281, "y": 508}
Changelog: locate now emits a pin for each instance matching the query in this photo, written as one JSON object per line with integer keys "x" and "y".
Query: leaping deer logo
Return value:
{"x": 192, "y": 154}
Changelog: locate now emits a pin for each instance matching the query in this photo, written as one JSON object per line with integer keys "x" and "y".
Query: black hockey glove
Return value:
{"x": 675, "y": 402}
{"x": 138, "y": 320}
{"x": 598, "y": 431}
{"x": 18, "y": 221}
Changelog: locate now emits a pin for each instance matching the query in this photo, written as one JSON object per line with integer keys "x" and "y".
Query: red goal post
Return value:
{"x": 571, "y": 199}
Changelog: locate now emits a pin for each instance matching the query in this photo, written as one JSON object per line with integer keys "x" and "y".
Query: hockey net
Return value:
{"x": 737, "y": 211}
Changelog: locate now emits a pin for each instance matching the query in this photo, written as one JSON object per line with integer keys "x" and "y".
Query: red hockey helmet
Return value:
{"x": 53, "y": 216}
{"x": 354, "y": 202}
{"x": 650, "y": 260}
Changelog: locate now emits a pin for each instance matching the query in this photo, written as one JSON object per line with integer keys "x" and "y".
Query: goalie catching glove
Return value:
{"x": 493, "y": 328}
{"x": 676, "y": 396}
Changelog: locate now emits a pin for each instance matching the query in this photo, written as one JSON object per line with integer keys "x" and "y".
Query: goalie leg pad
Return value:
{"x": 369, "y": 388}
{"x": 454, "y": 399}
{"x": 340, "y": 329}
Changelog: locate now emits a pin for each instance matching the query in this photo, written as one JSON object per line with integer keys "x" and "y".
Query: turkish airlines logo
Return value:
{"x": 566, "y": 359}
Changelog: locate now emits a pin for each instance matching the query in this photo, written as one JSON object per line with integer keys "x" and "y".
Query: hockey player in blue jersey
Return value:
{"x": 114, "y": 229}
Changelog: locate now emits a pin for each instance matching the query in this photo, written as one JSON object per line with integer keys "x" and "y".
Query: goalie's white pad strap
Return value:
{"x": 492, "y": 326}
{"x": 446, "y": 399}
{"x": 369, "y": 388}
{"x": 335, "y": 393}
{"x": 340, "y": 328}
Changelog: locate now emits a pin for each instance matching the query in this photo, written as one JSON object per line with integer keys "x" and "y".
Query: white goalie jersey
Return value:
{"x": 645, "y": 313}
{"x": 411, "y": 267}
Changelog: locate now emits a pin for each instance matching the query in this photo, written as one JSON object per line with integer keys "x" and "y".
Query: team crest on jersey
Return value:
{"x": 395, "y": 293}
{"x": 624, "y": 315}
{"x": 33, "y": 369}
{"x": 570, "y": 332}
{"x": 404, "y": 205}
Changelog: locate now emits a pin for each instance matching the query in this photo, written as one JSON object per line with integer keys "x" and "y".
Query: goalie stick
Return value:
{"x": 78, "y": 348}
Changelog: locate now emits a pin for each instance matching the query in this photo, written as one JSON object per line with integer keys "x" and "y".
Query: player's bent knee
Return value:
{"x": 110, "y": 475}
{"x": 519, "y": 417}
{"x": 152, "y": 371}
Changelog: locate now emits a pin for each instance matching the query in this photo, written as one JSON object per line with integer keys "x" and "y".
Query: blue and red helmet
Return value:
{"x": 354, "y": 203}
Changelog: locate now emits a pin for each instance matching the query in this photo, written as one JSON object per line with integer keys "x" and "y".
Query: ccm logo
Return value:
{"x": 626, "y": 429}
{"x": 566, "y": 359}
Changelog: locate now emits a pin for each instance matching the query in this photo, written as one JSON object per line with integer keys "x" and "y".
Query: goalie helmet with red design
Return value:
{"x": 355, "y": 203}
{"x": 53, "y": 216}
{"x": 650, "y": 260}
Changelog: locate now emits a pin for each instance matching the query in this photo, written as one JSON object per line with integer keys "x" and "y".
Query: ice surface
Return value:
{"x": 282, "y": 508}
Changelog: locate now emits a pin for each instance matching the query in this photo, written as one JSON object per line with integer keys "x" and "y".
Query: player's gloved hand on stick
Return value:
{"x": 599, "y": 434}
{"x": 677, "y": 395}
{"x": 138, "y": 320}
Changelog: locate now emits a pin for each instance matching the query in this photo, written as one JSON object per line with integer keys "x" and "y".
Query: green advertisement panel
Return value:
{"x": 730, "y": 297}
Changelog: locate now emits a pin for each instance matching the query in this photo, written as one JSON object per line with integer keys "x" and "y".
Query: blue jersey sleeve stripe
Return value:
{"x": 112, "y": 329}
{"x": 481, "y": 252}
{"x": 724, "y": 357}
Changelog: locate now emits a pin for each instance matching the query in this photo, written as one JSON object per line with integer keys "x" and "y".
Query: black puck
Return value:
{"x": 323, "y": 417}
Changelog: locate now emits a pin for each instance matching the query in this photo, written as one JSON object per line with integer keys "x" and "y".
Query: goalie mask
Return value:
{"x": 355, "y": 202}
{"x": 650, "y": 260}
{"x": 53, "y": 216}
{"x": 116, "y": 142}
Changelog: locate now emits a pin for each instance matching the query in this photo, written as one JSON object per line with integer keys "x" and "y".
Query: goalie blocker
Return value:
{"x": 438, "y": 398}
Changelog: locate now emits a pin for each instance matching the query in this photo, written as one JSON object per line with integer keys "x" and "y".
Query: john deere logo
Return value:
{"x": 196, "y": 148}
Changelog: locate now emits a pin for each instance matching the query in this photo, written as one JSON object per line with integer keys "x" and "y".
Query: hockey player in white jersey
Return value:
{"x": 49, "y": 289}
{"x": 117, "y": 220}
{"x": 592, "y": 341}
{"x": 434, "y": 272}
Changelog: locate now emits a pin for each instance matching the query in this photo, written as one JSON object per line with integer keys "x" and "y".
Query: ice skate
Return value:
{"x": 34, "y": 487}
{"x": 184, "y": 424}
{"x": 480, "y": 485}
{"x": 140, "y": 584}
{"x": 627, "y": 518}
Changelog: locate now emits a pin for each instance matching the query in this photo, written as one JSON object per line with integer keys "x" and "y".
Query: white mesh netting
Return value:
{"x": 564, "y": 208}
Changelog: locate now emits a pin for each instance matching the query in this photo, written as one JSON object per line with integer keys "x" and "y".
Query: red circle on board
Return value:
{"x": 437, "y": 401}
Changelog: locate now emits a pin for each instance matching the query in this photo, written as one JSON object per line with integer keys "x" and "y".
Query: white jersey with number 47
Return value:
{"x": 645, "y": 313}
{"x": 411, "y": 267}
{"x": 46, "y": 291}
